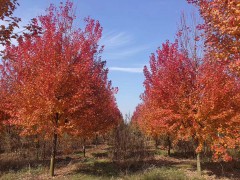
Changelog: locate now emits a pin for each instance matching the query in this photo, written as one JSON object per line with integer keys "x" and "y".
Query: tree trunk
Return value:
{"x": 156, "y": 142}
{"x": 44, "y": 150}
{"x": 169, "y": 146}
{"x": 37, "y": 146}
{"x": 96, "y": 140}
{"x": 54, "y": 149}
{"x": 199, "y": 164}
{"x": 54, "y": 146}
{"x": 84, "y": 149}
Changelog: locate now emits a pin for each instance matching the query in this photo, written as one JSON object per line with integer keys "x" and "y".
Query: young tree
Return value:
{"x": 54, "y": 82}
{"x": 192, "y": 100}
{"x": 149, "y": 118}
{"x": 218, "y": 108}
{"x": 222, "y": 34}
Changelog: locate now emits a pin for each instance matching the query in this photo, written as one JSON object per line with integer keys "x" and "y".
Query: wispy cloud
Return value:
{"x": 114, "y": 40}
{"x": 120, "y": 45}
{"x": 125, "y": 52}
{"x": 124, "y": 69}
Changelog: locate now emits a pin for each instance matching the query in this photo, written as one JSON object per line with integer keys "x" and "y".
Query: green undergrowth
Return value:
{"x": 25, "y": 173}
{"x": 149, "y": 174}
{"x": 103, "y": 169}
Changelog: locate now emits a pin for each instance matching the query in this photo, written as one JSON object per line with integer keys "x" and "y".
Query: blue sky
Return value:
{"x": 132, "y": 30}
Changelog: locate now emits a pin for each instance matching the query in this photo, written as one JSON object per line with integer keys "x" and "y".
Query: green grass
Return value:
{"x": 28, "y": 173}
{"x": 151, "y": 174}
{"x": 98, "y": 166}
{"x": 104, "y": 169}
{"x": 161, "y": 152}
{"x": 100, "y": 155}
{"x": 160, "y": 173}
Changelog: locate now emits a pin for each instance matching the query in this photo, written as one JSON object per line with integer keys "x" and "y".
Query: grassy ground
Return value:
{"x": 98, "y": 166}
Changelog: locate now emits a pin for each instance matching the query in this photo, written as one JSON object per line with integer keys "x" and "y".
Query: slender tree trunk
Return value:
{"x": 84, "y": 149}
{"x": 96, "y": 140}
{"x": 156, "y": 142}
{"x": 54, "y": 149}
{"x": 199, "y": 164}
{"x": 199, "y": 171}
{"x": 53, "y": 154}
{"x": 44, "y": 150}
{"x": 38, "y": 149}
{"x": 169, "y": 146}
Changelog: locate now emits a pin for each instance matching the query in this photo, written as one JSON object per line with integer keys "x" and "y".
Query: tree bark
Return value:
{"x": 84, "y": 149}
{"x": 37, "y": 145}
{"x": 53, "y": 154}
{"x": 199, "y": 164}
{"x": 156, "y": 141}
{"x": 54, "y": 148}
{"x": 169, "y": 146}
{"x": 44, "y": 150}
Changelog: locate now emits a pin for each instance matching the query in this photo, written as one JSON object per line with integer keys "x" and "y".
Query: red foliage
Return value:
{"x": 222, "y": 30}
{"x": 190, "y": 99}
{"x": 57, "y": 82}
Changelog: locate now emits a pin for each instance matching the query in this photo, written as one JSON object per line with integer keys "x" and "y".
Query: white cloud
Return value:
{"x": 120, "y": 45}
{"x": 122, "y": 53}
{"x": 123, "y": 69}
{"x": 113, "y": 40}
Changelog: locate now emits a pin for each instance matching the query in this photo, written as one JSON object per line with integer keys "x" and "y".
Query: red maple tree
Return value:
{"x": 193, "y": 100}
{"x": 56, "y": 82}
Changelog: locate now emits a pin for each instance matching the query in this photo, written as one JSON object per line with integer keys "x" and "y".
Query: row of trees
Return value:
{"x": 54, "y": 82}
{"x": 192, "y": 92}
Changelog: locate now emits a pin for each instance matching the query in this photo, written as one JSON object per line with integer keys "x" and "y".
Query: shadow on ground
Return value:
{"x": 223, "y": 169}
{"x": 16, "y": 163}
{"x": 219, "y": 169}
{"x": 109, "y": 169}
{"x": 99, "y": 164}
